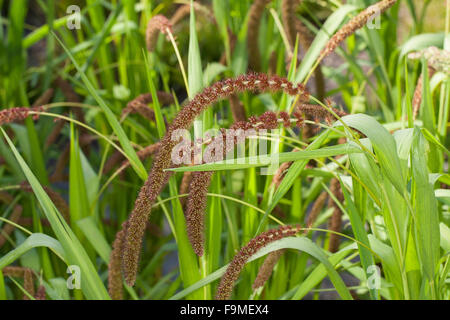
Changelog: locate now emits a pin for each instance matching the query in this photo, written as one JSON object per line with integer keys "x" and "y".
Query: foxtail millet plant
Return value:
{"x": 157, "y": 24}
{"x": 225, "y": 288}
{"x": 353, "y": 25}
{"x": 183, "y": 120}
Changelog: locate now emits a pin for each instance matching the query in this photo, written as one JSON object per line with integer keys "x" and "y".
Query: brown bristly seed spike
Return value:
{"x": 157, "y": 177}
{"x": 266, "y": 269}
{"x": 281, "y": 172}
{"x": 235, "y": 267}
{"x": 286, "y": 119}
{"x": 18, "y": 114}
{"x": 184, "y": 186}
{"x": 254, "y": 21}
{"x": 14, "y": 271}
{"x": 184, "y": 10}
{"x": 28, "y": 283}
{"x": 139, "y": 104}
{"x": 195, "y": 209}
{"x": 417, "y": 97}
{"x": 354, "y": 24}
{"x": 115, "y": 286}
{"x": 117, "y": 157}
{"x": 336, "y": 218}
{"x": 316, "y": 208}
{"x": 40, "y": 294}
{"x": 157, "y": 24}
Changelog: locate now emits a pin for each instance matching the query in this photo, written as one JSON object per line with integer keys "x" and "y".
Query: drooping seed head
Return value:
{"x": 254, "y": 20}
{"x": 354, "y": 24}
{"x": 316, "y": 209}
{"x": 266, "y": 269}
{"x": 28, "y": 283}
{"x": 336, "y": 218}
{"x": 235, "y": 267}
{"x": 195, "y": 209}
{"x": 157, "y": 24}
{"x": 115, "y": 287}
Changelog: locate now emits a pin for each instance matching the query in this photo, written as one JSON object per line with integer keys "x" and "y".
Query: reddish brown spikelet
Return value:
{"x": 286, "y": 119}
{"x": 336, "y": 218}
{"x": 300, "y": 120}
{"x": 273, "y": 63}
{"x": 184, "y": 10}
{"x": 184, "y": 186}
{"x": 9, "y": 228}
{"x": 265, "y": 271}
{"x": 17, "y": 114}
{"x": 316, "y": 208}
{"x": 40, "y": 294}
{"x": 295, "y": 27}
{"x": 195, "y": 209}
{"x": 14, "y": 271}
{"x": 237, "y": 109}
{"x": 255, "y": 15}
{"x": 417, "y": 98}
{"x": 240, "y": 259}
{"x": 117, "y": 156}
{"x": 318, "y": 112}
{"x": 157, "y": 177}
{"x": 157, "y": 24}
{"x": 268, "y": 120}
{"x": 139, "y": 104}
{"x": 354, "y": 24}
{"x": 281, "y": 172}
{"x": 115, "y": 287}
{"x": 28, "y": 283}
